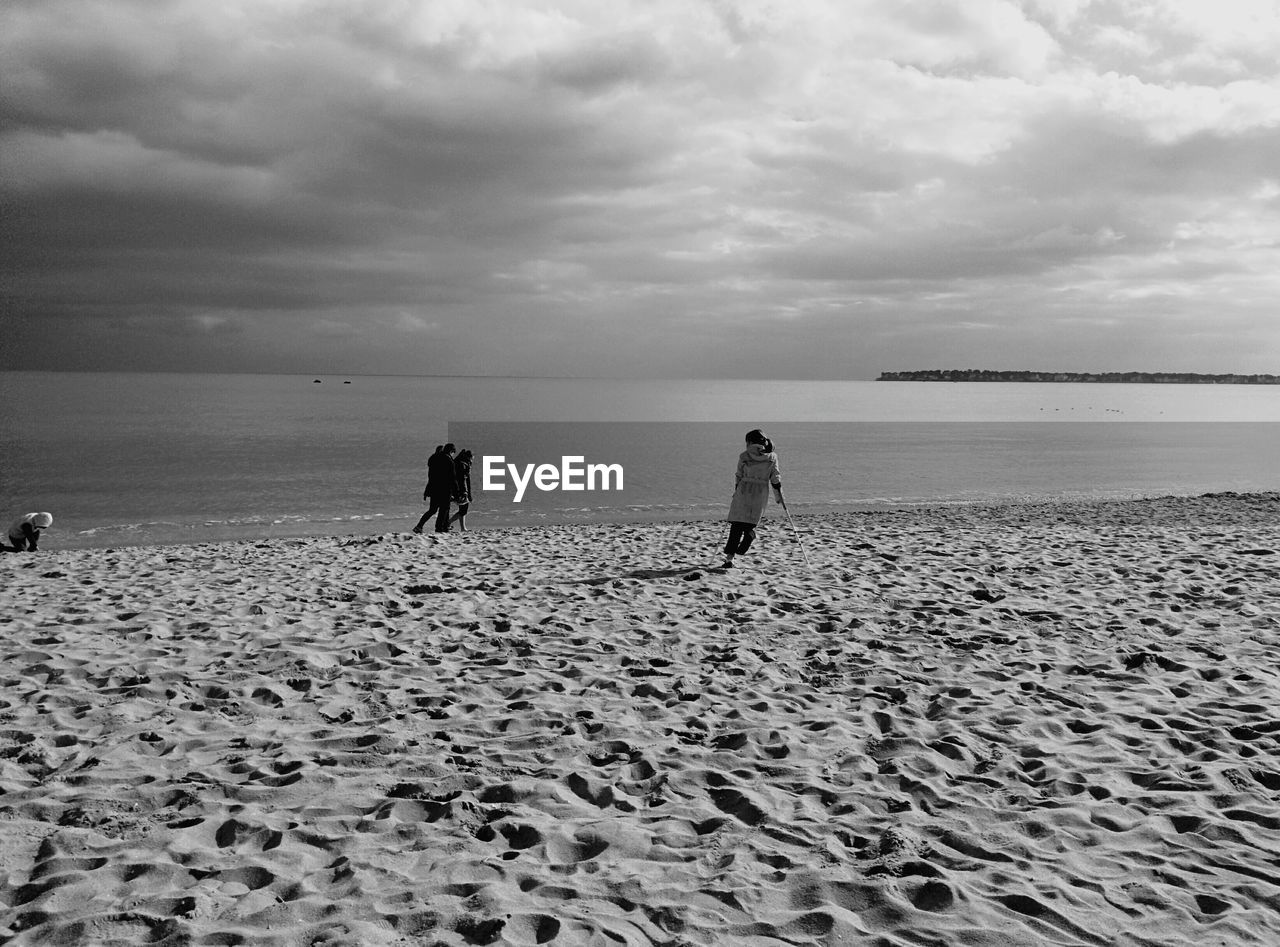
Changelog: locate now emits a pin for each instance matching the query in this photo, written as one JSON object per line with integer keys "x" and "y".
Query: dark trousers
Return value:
{"x": 741, "y": 536}
{"x": 442, "y": 520}
{"x": 440, "y": 507}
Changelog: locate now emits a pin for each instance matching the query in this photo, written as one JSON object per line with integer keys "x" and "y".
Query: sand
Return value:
{"x": 1024, "y": 725}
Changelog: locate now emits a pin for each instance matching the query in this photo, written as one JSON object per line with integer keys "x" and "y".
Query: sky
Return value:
{"x": 640, "y": 188}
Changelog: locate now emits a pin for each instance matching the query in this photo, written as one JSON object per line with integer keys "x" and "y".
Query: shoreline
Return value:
{"x": 376, "y": 524}
{"x": 1032, "y": 723}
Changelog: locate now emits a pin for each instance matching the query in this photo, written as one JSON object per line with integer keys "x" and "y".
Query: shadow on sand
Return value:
{"x": 685, "y": 572}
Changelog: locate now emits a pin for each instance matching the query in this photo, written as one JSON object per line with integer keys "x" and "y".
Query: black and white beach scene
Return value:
{"x": 663, "y": 473}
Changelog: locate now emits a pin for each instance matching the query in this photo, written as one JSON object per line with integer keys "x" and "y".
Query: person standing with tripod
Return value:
{"x": 758, "y": 470}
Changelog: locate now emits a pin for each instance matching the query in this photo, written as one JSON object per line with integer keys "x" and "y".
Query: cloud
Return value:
{"x": 656, "y": 187}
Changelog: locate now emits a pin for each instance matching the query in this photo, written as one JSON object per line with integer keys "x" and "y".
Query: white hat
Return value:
{"x": 42, "y": 520}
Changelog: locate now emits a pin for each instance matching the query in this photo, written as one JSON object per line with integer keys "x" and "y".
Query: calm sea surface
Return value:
{"x": 141, "y": 458}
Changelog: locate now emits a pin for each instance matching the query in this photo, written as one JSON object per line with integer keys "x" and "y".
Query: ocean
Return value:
{"x": 126, "y": 459}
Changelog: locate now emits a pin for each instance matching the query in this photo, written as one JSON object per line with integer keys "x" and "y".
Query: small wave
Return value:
{"x": 130, "y": 527}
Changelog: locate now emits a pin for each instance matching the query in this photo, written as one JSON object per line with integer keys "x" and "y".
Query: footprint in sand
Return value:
{"x": 583, "y": 845}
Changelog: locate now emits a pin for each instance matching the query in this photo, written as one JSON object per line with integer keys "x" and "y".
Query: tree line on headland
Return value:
{"x": 1135, "y": 378}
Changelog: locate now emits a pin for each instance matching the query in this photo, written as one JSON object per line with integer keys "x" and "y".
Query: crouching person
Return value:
{"x": 24, "y": 534}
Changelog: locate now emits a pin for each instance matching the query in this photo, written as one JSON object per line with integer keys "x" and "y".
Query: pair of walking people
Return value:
{"x": 448, "y": 481}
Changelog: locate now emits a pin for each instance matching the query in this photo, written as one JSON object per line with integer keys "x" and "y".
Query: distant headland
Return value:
{"x": 1130, "y": 378}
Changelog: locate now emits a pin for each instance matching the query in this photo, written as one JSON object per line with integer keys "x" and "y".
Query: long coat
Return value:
{"x": 757, "y": 469}
{"x": 441, "y": 480}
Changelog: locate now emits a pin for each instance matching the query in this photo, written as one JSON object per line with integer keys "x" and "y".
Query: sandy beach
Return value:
{"x": 1017, "y": 725}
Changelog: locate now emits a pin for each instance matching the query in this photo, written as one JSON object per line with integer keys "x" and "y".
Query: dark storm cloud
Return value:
{"x": 580, "y": 188}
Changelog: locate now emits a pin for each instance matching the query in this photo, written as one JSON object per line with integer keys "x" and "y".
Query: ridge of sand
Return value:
{"x": 1040, "y": 724}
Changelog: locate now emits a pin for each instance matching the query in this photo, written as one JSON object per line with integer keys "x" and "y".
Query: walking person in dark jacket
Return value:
{"x": 440, "y": 488}
{"x": 757, "y": 470}
{"x": 462, "y": 488}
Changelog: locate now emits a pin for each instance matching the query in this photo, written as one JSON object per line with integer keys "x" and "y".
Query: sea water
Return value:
{"x": 123, "y": 458}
